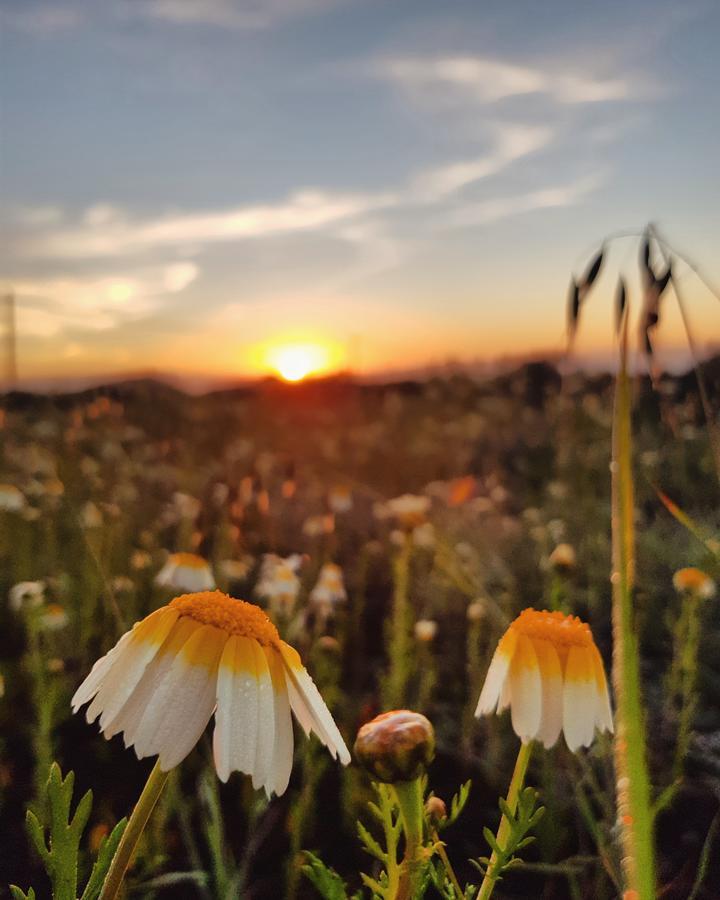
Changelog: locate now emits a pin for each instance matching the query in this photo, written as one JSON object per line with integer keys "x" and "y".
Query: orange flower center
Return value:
{"x": 230, "y": 615}
{"x": 690, "y": 579}
{"x": 191, "y": 560}
{"x": 556, "y": 627}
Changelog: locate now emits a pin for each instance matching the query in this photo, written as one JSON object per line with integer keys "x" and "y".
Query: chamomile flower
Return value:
{"x": 186, "y": 572}
{"x": 279, "y": 583}
{"x": 26, "y": 594}
{"x": 694, "y": 582}
{"x": 548, "y": 670}
{"x": 12, "y": 498}
{"x": 207, "y": 652}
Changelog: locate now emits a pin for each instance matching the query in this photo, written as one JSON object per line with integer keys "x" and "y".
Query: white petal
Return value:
{"x": 306, "y": 698}
{"x": 524, "y": 675}
{"x": 182, "y": 703}
{"x": 265, "y": 747}
{"x": 603, "y": 710}
{"x": 146, "y": 640}
{"x": 98, "y": 673}
{"x": 283, "y": 757}
{"x": 552, "y": 692}
{"x": 496, "y": 677}
{"x": 236, "y": 716}
{"x": 579, "y": 699}
{"x": 130, "y": 716}
{"x": 505, "y": 696}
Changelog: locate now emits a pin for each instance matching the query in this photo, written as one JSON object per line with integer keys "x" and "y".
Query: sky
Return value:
{"x": 187, "y": 185}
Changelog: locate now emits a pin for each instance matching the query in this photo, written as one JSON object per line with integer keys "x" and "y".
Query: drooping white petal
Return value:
{"x": 283, "y": 756}
{"x": 265, "y": 746}
{"x": 146, "y": 639}
{"x": 579, "y": 699}
{"x": 305, "y": 697}
{"x": 98, "y": 673}
{"x": 524, "y": 675}
{"x": 130, "y": 716}
{"x": 236, "y": 716}
{"x": 505, "y": 696}
{"x": 603, "y": 710}
{"x": 182, "y": 703}
{"x": 551, "y": 679}
{"x": 497, "y": 674}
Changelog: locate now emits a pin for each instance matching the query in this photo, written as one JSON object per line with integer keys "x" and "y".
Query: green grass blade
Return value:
{"x": 633, "y": 784}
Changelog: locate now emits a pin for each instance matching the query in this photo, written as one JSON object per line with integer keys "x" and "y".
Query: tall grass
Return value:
{"x": 632, "y": 780}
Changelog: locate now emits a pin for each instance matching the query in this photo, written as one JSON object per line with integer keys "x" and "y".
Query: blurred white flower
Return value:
{"x": 329, "y": 590}
{"x": 316, "y": 526}
{"x": 476, "y": 610}
{"x": 187, "y": 507}
{"x": 12, "y": 498}
{"x": 425, "y": 630}
{"x": 340, "y": 499}
{"x": 424, "y": 535}
{"x": 26, "y": 593}
{"x": 90, "y": 516}
{"x": 279, "y": 583}
{"x": 53, "y": 617}
{"x": 563, "y": 557}
{"x": 121, "y": 584}
{"x": 186, "y": 572}
{"x": 236, "y": 569}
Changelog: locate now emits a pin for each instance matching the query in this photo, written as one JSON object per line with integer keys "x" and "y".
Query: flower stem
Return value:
{"x": 449, "y": 871}
{"x": 399, "y": 635}
{"x": 688, "y": 675}
{"x": 635, "y": 818}
{"x": 409, "y": 796}
{"x": 516, "y": 785}
{"x": 135, "y": 827}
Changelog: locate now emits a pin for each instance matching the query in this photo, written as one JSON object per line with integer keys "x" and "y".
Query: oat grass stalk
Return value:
{"x": 632, "y": 785}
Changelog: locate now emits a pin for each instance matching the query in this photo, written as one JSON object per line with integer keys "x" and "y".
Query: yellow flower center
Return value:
{"x": 191, "y": 560}
{"x": 556, "y": 627}
{"x": 230, "y": 615}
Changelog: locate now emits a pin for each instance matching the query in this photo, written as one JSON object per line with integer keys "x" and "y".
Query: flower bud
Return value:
{"x": 396, "y": 746}
{"x": 425, "y": 630}
{"x": 562, "y": 559}
{"x": 476, "y": 610}
{"x": 435, "y": 810}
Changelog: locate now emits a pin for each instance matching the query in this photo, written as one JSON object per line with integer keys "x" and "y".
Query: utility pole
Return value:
{"x": 11, "y": 373}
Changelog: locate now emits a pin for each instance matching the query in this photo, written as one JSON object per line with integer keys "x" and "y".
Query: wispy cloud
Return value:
{"x": 485, "y": 80}
{"x": 106, "y": 231}
{"x": 251, "y": 14}
{"x": 486, "y": 212}
{"x": 512, "y": 142}
{"x": 40, "y": 20}
{"x": 46, "y": 306}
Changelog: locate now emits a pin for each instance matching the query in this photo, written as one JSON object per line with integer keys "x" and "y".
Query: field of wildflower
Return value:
{"x": 393, "y": 535}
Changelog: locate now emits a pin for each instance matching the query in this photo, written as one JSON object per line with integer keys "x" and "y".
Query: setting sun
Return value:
{"x": 293, "y": 362}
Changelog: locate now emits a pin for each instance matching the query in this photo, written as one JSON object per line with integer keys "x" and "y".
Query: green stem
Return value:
{"x": 689, "y": 655}
{"x": 135, "y": 827}
{"x": 449, "y": 871}
{"x": 399, "y": 638}
{"x": 516, "y": 785}
{"x": 635, "y": 818}
{"x": 409, "y": 796}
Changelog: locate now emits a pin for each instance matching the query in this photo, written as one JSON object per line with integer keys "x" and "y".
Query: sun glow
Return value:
{"x": 293, "y": 362}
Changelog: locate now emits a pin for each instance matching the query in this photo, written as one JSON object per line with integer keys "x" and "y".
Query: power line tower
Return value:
{"x": 11, "y": 373}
